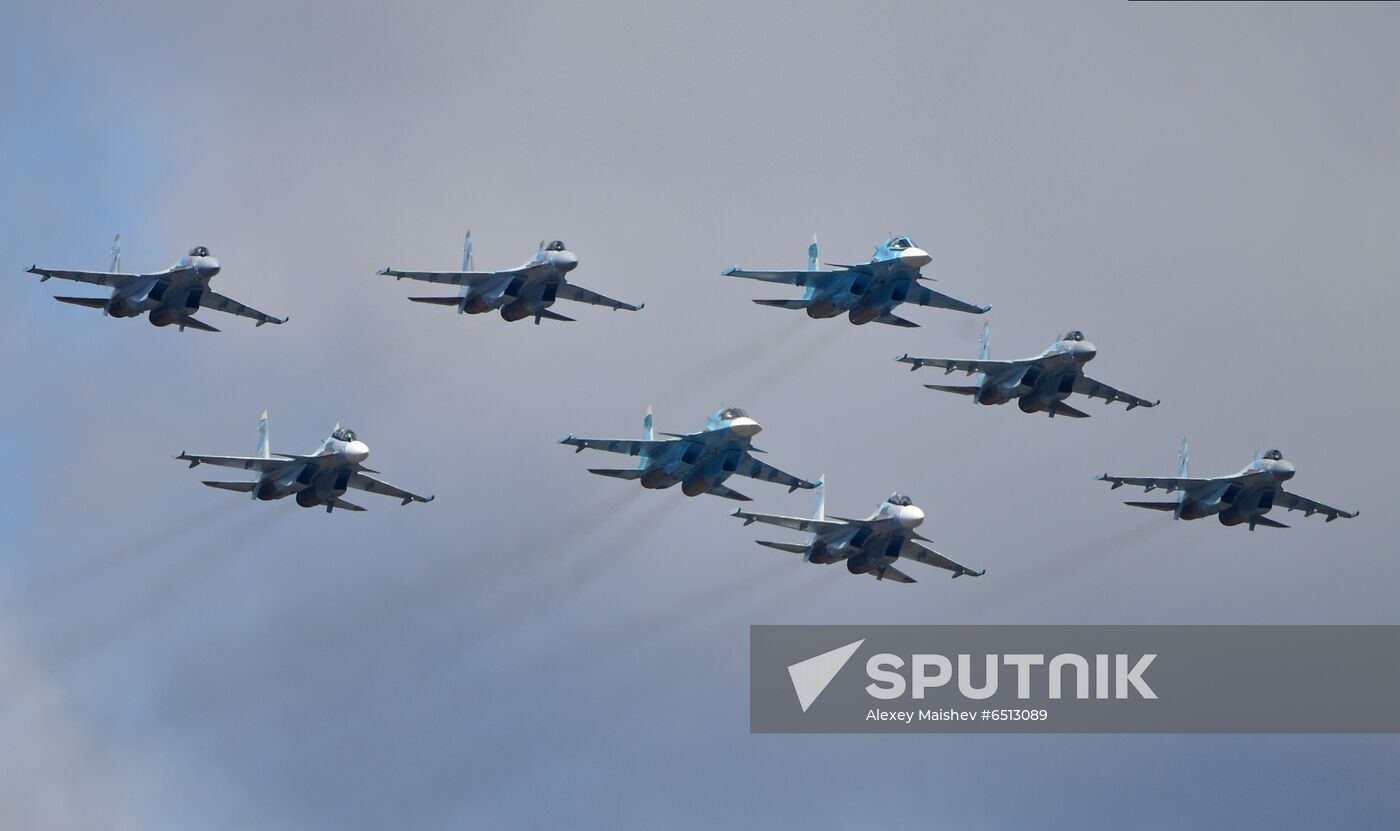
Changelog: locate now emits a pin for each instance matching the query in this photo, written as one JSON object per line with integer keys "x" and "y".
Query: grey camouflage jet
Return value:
{"x": 700, "y": 462}
{"x": 171, "y": 296}
{"x": 865, "y": 292}
{"x": 319, "y": 478}
{"x": 868, "y": 546}
{"x": 1040, "y": 384}
{"x": 1243, "y": 497}
{"x": 525, "y": 291}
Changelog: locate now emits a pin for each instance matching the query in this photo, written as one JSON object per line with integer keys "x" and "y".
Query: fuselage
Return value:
{"x": 1038, "y": 387}
{"x": 531, "y": 289}
{"x": 874, "y": 290}
{"x": 321, "y": 476}
{"x": 699, "y": 461}
{"x": 1247, "y": 495}
{"x": 169, "y": 296}
{"x": 873, "y": 543}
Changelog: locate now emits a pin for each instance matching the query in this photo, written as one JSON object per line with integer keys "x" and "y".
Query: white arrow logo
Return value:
{"x": 811, "y": 677}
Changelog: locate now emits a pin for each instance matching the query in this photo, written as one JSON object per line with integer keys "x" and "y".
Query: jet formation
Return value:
{"x": 865, "y": 292}
{"x": 169, "y": 297}
{"x": 321, "y": 477}
{"x": 700, "y": 462}
{"x": 1038, "y": 385}
{"x": 1243, "y": 497}
{"x": 527, "y": 290}
{"x": 867, "y": 546}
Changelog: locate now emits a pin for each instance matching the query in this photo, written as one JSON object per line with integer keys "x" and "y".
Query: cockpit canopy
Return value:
{"x": 900, "y": 243}
{"x": 557, "y": 245}
{"x": 343, "y": 434}
{"x": 1274, "y": 455}
{"x": 1074, "y": 334}
{"x": 731, "y": 413}
{"x": 199, "y": 251}
{"x": 899, "y": 499}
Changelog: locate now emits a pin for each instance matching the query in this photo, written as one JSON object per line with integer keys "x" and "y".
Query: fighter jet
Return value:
{"x": 1039, "y": 384}
{"x": 526, "y": 291}
{"x": 171, "y": 296}
{"x": 318, "y": 478}
{"x": 869, "y": 546}
{"x": 1243, "y": 497}
{"x": 700, "y": 462}
{"x": 865, "y": 292}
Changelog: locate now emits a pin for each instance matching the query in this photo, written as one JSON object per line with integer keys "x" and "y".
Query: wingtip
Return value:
{"x": 729, "y": 271}
{"x": 984, "y": 309}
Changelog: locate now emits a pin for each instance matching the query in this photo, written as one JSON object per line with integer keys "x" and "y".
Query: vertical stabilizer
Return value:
{"x": 466, "y": 266}
{"x": 264, "y": 444}
{"x": 986, "y": 350}
{"x": 1183, "y": 469}
{"x": 814, "y": 261}
{"x": 819, "y": 512}
{"x": 648, "y": 434}
{"x": 116, "y": 253}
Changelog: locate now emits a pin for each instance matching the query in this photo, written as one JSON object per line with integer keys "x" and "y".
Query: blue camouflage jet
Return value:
{"x": 865, "y": 292}
{"x": 700, "y": 462}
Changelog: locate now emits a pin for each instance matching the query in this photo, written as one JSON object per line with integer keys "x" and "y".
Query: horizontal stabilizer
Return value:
{"x": 195, "y": 324}
{"x": 1263, "y": 520}
{"x": 783, "y": 304}
{"x": 958, "y": 390}
{"x": 342, "y": 505}
{"x": 630, "y": 473}
{"x": 727, "y": 493}
{"x": 1154, "y": 506}
{"x": 548, "y": 315}
{"x": 437, "y": 301}
{"x": 784, "y": 546}
{"x": 240, "y": 487}
{"x": 1061, "y": 408}
{"x": 895, "y": 320}
{"x": 90, "y": 302}
{"x": 892, "y": 573}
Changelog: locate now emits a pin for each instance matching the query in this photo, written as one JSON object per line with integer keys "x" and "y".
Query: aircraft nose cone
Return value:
{"x": 910, "y": 516}
{"x": 1284, "y": 469}
{"x": 357, "y": 451}
{"x": 915, "y": 257}
{"x": 209, "y": 265}
{"x": 565, "y": 260}
{"x": 1085, "y": 350}
{"x": 745, "y": 426}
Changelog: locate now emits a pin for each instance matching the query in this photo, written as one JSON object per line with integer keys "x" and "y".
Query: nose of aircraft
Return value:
{"x": 356, "y": 451}
{"x": 914, "y": 258}
{"x": 745, "y": 426}
{"x": 208, "y": 265}
{"x": 910, "y": 516}
{"x": 1284, "y": 470}
{"x": 1084, "y": 350}
{"x": 565, "y": 260}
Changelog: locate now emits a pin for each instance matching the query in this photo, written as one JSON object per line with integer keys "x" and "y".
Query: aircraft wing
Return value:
{"x": 792, "y": 278}
{"x": 923, "y": 554}
{"x": 569, "y": 291}
{"x": 925, "y": 296}
{"x": 113, "y": 279}
{"x": 257, "y": 463}
{"x": 365, "y": 482}
{"x": 475, "y": 279}
{"x": 1098, "y": 389}
{"x": 960, "y": 365}
{"x": 632, "y": 447}
{"x": 1294, "y": 502}
{"x": 1167, "y": 483}
{"x": 218, "y": 302}
{"x": 796, "y": 523}
{"x": 761, "y": 470}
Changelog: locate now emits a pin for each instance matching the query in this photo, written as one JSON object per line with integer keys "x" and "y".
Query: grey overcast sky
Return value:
{"x": 1211, "y": 192}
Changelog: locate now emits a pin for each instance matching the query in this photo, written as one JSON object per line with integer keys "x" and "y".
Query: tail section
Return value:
{"x": 819, "y": 512}
{"x": 784, "y": 546}
{"x": 466, "y": 266}
{"x": 1154, "y": 506}
{"x": 1061, "y": 408}
{"x": 814, "y": 263}
{"x": 986, "y": 350}
{"x": 950, "y": 388}
{"x": 237, "y": 487}
{"x": 784, "y": 304}
{"x": 552, "y": 316}
{"x": 634, "y": 473}
{"x": 90, "y": 302}
{"x": 648, "y": 434}
{"x": 264, "y": 443}
{"x": 116, "y": 253}
{"x": 1182, "y": 471}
